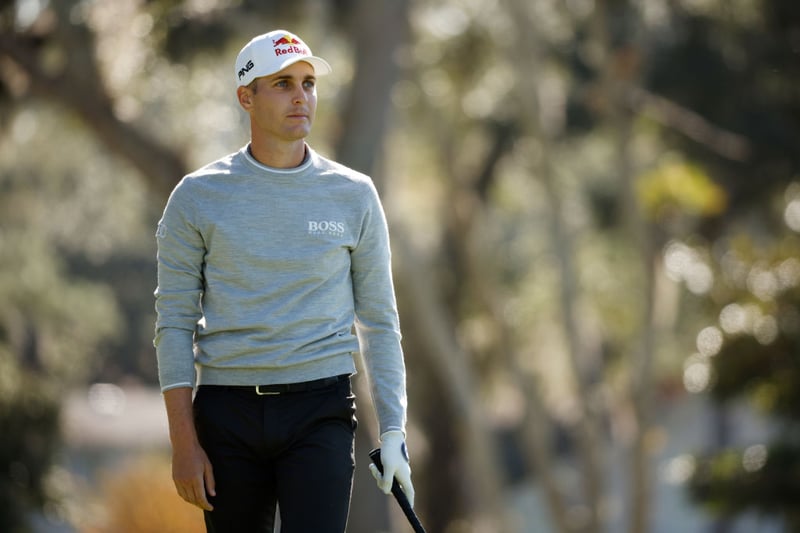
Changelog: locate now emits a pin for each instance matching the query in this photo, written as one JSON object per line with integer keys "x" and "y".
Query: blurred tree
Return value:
{"x": 613, "y": 61}
{"x": 29, "y": 418}
{"x": 746, "y": 62}
{"x": 54, "y": 322}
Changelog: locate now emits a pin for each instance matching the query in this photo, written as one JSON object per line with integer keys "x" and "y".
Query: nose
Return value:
{"x": 299, "y": 96}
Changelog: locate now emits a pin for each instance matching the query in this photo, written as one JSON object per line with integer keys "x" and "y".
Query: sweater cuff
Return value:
{"x": 174, "y": 351}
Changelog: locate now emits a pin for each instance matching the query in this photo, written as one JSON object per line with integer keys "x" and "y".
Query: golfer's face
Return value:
{"x": 284, "y": 103}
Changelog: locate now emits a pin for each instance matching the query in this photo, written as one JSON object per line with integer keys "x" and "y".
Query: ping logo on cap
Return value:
{"x": 245, "y": 69}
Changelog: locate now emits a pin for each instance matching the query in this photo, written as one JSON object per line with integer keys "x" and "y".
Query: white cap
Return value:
{"x": 272, "y": 52}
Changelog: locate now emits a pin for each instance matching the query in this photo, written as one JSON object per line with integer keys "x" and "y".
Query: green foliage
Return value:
{"x": 59, "y": 320}
{"x": 676, "y": 188}
{"x": 769, "y": 375}
{"x": 758, "y": 362}
{"x": 29, "y": 412}
{"x": 736, "y": 69}
{"x": 764, "y": 479}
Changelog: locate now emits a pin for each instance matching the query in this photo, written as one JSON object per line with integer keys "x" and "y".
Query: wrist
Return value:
{"x": 393, "y": 435}
{"x": 394, "y": 442}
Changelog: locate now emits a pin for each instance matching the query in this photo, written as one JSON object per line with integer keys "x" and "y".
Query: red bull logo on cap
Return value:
{"x": 289, "y": 45}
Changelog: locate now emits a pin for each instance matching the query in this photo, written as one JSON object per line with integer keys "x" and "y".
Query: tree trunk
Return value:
{"x": 527, "y": 50}
{"x": 482, "y": 485}
{"x": 379, "y": 28}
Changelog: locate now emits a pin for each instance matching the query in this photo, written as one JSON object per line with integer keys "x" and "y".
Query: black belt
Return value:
{"x": 284, "y": 388}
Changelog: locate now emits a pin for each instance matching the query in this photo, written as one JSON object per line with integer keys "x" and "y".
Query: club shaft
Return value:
{"x": 399, "y": 495}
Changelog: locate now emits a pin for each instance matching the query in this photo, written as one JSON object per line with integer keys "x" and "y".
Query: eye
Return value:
{"x": 309, "y": 84}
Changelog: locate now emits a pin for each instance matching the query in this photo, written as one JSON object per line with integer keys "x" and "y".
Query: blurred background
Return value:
{"x": 595, "y": 218}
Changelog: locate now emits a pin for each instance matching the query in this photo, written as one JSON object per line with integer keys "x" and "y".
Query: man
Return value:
{"x": 267, "y": 258}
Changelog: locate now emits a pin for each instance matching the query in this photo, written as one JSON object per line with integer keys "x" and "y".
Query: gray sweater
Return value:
{"x": 263, "y": 272}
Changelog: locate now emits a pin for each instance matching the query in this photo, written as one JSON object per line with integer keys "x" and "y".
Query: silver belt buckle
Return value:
{"x": 265, "y": 393}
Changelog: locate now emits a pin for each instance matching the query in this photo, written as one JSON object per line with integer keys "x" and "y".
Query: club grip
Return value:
{"x": 399, "y": 495}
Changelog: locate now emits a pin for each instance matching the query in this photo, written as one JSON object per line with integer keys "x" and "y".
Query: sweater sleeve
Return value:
{"x": 181, "y": 251}
{"x": 377, "y": 322}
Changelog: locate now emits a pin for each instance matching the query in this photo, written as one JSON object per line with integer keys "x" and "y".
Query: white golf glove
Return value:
{"x": 395, "y": 465}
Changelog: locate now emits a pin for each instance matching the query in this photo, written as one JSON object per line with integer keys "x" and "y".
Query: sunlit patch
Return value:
{"x": 696, "y": 373}
{"x": 28, "y": 11}
{"x": 765, "y": 330}
{"x": 709, "y": 341}
{"x": 685, "y": 264}
{"x": 763, "y": 283}
{"x": 699, "y": 278}
{"x": 679, "y": 469}
{"x": 754, "y": 458}
{"x": 443, "y": 21}
{"x": 733, "y": 319}
{"x": 677, "y": 256}
{"x": 24, "y": 127}
{"x": 106, "y": 399}
{"x": 792, "y": 215}
{"x": 788, "y": 273}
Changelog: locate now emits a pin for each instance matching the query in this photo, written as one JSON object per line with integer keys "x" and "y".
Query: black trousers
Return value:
{"x": 290, "y": 449}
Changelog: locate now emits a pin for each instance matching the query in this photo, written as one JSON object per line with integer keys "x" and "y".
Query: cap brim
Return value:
{"x": 321, "y": 67}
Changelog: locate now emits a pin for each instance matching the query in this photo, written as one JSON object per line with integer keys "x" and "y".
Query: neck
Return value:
{"x": 283, "y": 155}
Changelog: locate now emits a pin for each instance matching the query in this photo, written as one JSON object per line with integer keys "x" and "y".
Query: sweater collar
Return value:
{"x": 302, "y": 167}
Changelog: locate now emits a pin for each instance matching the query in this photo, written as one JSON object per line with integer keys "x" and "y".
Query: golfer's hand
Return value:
{"x": 395, "y": 465}
{"x": 193, "y": 476}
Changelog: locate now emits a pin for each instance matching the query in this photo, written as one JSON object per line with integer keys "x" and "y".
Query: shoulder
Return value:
{"x": 211, "y": 176}
{"x": 203, "y": 185}
{"x": 335, "y": 170}
{"x": 222, "y": 167}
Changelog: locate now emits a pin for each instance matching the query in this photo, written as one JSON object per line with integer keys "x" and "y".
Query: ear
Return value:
{"x": 245, "y": 97}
